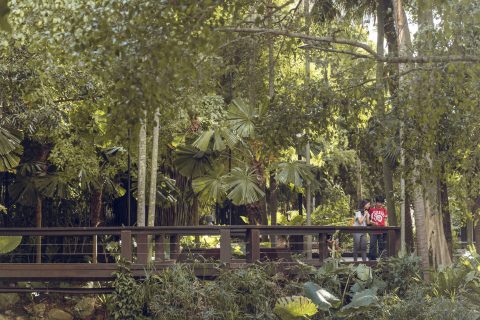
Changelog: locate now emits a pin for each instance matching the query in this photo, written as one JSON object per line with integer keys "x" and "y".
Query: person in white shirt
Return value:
{"x": 362, "y": 218}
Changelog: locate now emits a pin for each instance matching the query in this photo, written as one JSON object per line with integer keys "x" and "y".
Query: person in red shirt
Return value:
{"x": 378, "y": 217}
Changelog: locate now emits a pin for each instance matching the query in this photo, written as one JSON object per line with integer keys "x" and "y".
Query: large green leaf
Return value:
{"x": 191, "y": 162}
{"x": 9, "y": 243}
{"x": 294, "y": 307}
{"x": 218, "y": 138}
{"x": 362, "y": 300}
{"x": 53, "y": 186}
{"x": 296, "y": 173}
{"x": 9, "y": 145}
{"x": 321, "y": 297}
{"x": 211, "y": 187}
{"x": 243, "y": 187}
{"x": 24, "y": 191}
{"x": 242, "y": 116}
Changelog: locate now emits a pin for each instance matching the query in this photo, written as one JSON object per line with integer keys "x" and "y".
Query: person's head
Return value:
{"x": 379, "y": 201}
{"x": 364, "y": 204}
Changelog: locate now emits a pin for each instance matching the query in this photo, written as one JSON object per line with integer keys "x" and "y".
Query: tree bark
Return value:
{"x": 38, "y": 224}
{"x": 153, "y": 171}
{"x": 95, "y": 212}
{"x": 142, "y": 171}
{"x": 404, "y": 48}
{"x": 409, "y": 241}
{"x": 380, "y": 88}
{"x": 445, "y": 206}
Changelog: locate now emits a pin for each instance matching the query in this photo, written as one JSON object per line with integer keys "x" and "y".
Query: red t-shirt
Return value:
{"x": 378, "y": 216}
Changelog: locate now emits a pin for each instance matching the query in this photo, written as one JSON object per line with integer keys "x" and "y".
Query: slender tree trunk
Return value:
{"x": 153, "y": 171}
{"x": 445, "y": 205}
{"x": 409, "y": 241}
{"x": 152, "y": 197}
{"x": 273, "y": 204}
{"x": 477, "y": 236}
{"x": 142, "y": 172}
{"x": 380, "y": 88}
{"x": 95, "y": 211}
{"x": 38, "y": 224}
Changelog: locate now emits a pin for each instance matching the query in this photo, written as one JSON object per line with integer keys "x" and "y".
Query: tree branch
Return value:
{"x": 372, "y": 53}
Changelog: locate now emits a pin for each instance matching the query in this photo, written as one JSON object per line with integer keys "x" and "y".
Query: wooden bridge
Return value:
{"x": 91, "y": 253}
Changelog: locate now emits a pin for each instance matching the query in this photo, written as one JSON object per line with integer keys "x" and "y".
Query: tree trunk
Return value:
{"x": 142, "y": 172}
{"x": 404, "y": 48}
{"x": 436, "y": 236}
{"x": 38, "y": 224}
{"x": 409, "y": 241}
{"x": 445, "y": 205}
{"x": 273, "y": 205}
{"x": 477, "y": 236}
{"x": 380, "y": 88}
{"x": 95, "y": 211}
{"x": 153, "y": 171}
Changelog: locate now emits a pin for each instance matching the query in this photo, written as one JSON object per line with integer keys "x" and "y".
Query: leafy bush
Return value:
{"x": 127, "y": 301}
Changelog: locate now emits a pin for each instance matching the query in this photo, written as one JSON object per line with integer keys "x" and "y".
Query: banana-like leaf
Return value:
{"x": 241, "y": 116}
{"x": 321, "y": 297}
{"x": 191, "y": 162}
{"x": 242, "y": 186}
{"x": 294, "y": 307}
{"x": 296, "y": 173}
{"x": 9, "y": 243}
{"x": 211, "y": 187}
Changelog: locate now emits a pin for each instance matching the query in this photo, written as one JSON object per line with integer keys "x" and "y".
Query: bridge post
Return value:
{"x": 391, "y": 243}
{"x": 142, "y": 248}
{"x": 225, "y": 246}
{"x": 160, "y": 247}
{"x": 253, "y": 245}
{"x": 322, "y": 246}
{"x": 174, "y": 246}
{"x": 126, "y": 248}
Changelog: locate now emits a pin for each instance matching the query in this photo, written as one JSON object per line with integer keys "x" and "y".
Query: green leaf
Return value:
{"x": 364, "y": 272}
{"x": 191, "y": 162}
{"x": 296, "y": 173}
{"x": 9, "y": 243}
{"x": 242, "y": 186}
{"x": 242, "y": 118}
{"x": 294, "y": 307}
{"x": 321, "y": 297}
{"x": 211, "y": 187}
{"x": 362, "y": 300}
{"x": 203, "y": 140}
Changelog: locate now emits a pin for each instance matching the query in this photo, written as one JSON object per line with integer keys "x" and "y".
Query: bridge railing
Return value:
{"x": 91, "y": 253}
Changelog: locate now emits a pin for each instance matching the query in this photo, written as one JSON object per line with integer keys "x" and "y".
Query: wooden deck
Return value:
{"x": 238, "y": 247}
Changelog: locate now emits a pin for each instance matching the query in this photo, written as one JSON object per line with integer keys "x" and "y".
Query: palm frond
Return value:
{"x": 242, "y": 186}
{"x": 242, "y": 118}
{"x": 191, "y": 162}
{"x": 211, "y": 187}
{"x": 296, "y": 173}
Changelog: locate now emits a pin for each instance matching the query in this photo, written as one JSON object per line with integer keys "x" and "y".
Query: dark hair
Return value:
{"x": 361, "y": 205}
{"x": 380, "y": 199}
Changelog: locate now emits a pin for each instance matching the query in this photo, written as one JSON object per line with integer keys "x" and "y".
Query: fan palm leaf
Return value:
{"x": 9, "y": 143}
{"x": 191, "y": 162}
{"x": 295, "y": 173}
{"x": 219, "y": 138}
{"x": 242, "y": 186}
{"x": 211, "y": 187}
{"x": 242, "y": 118}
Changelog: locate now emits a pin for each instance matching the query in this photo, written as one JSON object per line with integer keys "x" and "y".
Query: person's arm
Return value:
{"x": 367, "y": 216}
{"x": 386, "y": 217}
{"x": 360, "y": 217}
